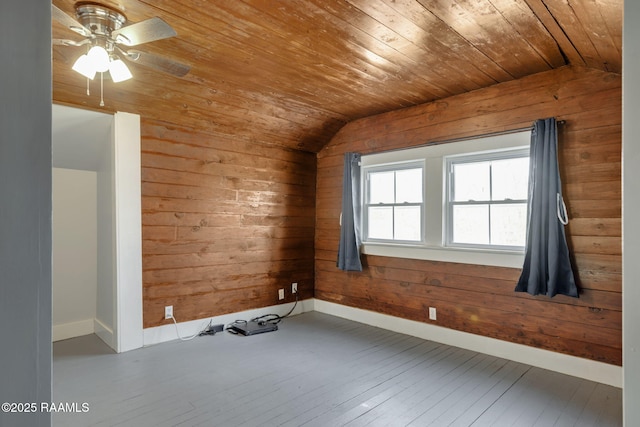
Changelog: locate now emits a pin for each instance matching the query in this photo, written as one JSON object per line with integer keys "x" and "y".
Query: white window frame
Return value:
{"x": 394, "y": 167}
{"x": 433, "y": 247}
{"x": 472, "y": 158}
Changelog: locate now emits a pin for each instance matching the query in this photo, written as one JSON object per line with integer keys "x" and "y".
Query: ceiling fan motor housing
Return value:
{"x": 101, "y": 20}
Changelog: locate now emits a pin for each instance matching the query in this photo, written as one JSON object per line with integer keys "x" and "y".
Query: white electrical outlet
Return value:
{"x": 294, "y": 288}
{"x": 432, "y": 313}
{"x": 168, "y": 312}
{"x": 280, "y": 293}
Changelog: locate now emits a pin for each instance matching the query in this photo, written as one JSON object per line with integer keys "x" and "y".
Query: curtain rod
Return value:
{"x": 504, "y": 132}
{"x": 464, "y": 138}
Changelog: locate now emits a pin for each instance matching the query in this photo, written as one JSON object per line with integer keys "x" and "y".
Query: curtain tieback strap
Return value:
{"x": 561, "y": 212}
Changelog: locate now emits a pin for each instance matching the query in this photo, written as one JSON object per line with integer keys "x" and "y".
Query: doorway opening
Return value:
{"x": 97, "y": 253}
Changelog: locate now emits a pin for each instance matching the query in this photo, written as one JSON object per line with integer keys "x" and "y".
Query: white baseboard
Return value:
{"x": 164, "y": 333}
{"x": 105, "y": 333}
{"x": 575, "y": 366}
{"x": 72, "y": 329}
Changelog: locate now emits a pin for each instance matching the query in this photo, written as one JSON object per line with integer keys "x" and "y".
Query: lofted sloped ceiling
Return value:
{"x": 293, "y": 72}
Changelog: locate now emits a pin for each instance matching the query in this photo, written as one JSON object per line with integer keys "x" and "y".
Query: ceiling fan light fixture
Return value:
{"x": 119, "y": 71}
{"x": 99, "y": 58}
{"x": 84, "y": 66}
{"x": 104, "y": 29}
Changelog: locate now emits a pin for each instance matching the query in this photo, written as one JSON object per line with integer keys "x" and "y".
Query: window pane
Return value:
{"x": 509, "y": 224}
{"x": 380, "y": 222}
{"x": 407, "y": 223}
{"x": 409, "y": 186}
{"x": 471, "y": 181}
{"x": 471, "y": 224}
{"x": 510, "y": 178}
{"x": 381, "y": 187}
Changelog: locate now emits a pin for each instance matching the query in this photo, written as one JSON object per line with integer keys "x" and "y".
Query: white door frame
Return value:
{"x": 128, "y": 232}
{"x": 118, "y": 319}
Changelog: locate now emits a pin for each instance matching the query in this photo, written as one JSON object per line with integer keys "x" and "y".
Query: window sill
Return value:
{"x": 437, "y": 253}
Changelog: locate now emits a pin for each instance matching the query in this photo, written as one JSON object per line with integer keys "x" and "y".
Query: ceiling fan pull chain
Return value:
{"x": 101, "y": 89}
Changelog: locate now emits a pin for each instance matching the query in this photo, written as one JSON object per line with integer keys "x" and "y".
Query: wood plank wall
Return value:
{"x": 225, "y": 223}
{"x": 480, "y": 299}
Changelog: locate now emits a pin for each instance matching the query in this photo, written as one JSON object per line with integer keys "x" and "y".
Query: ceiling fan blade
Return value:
{"x": 160, "y": 63}
{"x": 143, "y": 32}
{"x": 67, "y": 42}
{"x": 69, "y": 22}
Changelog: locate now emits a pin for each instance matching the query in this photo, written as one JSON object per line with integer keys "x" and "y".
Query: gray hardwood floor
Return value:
{"x": 317, "y": 370}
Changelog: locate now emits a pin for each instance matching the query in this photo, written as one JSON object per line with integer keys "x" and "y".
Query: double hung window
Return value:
{"x": 394, "y": 203}
{"x": 487, "y": 200}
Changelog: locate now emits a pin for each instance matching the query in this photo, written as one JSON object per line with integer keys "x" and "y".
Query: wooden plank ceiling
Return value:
{"x": 293, "y": 72}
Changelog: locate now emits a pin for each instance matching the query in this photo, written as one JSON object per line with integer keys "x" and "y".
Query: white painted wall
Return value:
{"x": 630, "y": 214}
{"x": 74, "y": 252}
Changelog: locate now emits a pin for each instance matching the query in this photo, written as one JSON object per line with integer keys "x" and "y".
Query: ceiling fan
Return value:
{"x": 107, "y": 39}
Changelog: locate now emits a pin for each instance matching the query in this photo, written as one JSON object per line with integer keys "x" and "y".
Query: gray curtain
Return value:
{"x": 349, "y": 248}
{"x": 547, "y": 268}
